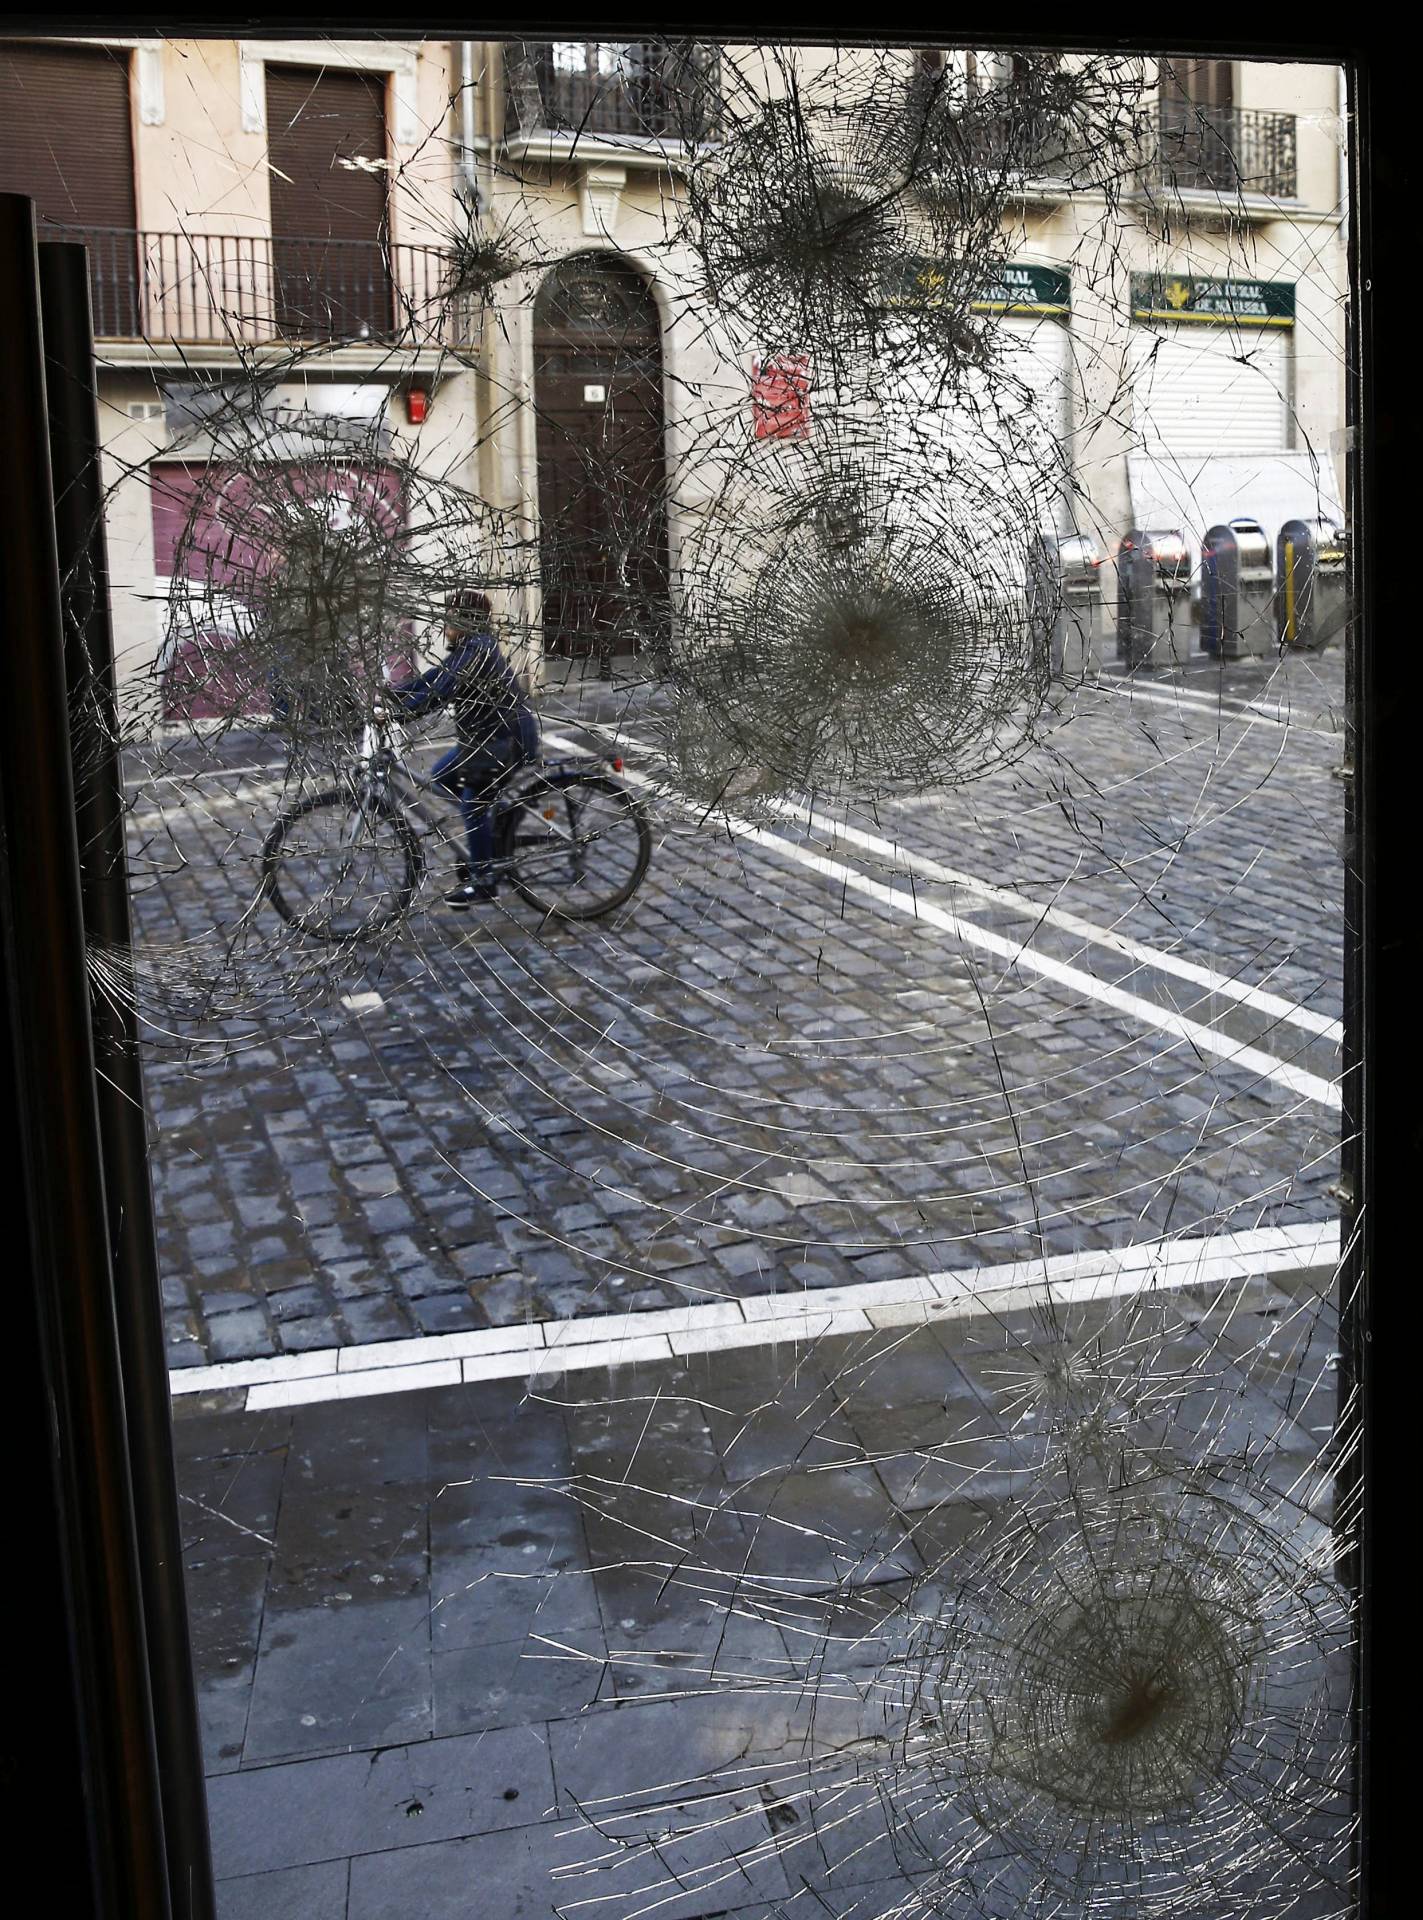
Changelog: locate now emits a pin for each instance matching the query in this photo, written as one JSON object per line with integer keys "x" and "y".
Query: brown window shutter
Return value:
{"x": 328, "y": 208}
{"x": 1203, "y": 83}
{"x": 320, "y": 127}
{"x": 66, "y": 136}
{"x": 66, "y": 139}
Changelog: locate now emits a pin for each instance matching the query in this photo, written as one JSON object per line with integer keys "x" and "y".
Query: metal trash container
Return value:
{"x": 1311, "y": 584}
{"x": 1153, "y": 583}
{"x": 1237, "y": 591}
{"x": 1065, "y": 604}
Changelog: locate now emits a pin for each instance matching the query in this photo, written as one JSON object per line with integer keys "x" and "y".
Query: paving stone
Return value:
{"x": 517, "y": 1682}
{"x": 225, "y": 1596}
{"x": 692, "y": 1865}
{"x": 508, "y": 1300}
{"x": 355, "y": 1279}
{"x": 228, "y": 1505}
{"x": 239, "y": 1335}
{"x": 377, "y": 1802}
{"x": 294, "y": 1301}
{"x": 313, "y": 1333}
{"x": 445, "y": 1313}
{"x": 370, "y": 1320}
{"x": 340, "y": 1676}
{"x": 289, "y": 1893}
{"x": 481, "y": 1261}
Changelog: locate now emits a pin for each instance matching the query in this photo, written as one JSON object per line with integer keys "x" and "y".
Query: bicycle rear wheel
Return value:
{"x": 340, "y": 869}
{"x": 577, "y": 845}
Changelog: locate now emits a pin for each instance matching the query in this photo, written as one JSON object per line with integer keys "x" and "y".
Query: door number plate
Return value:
{"x": 593, "y": 395}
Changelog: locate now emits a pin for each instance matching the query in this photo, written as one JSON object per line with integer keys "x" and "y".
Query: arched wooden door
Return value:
{"x": 601, "y": 459}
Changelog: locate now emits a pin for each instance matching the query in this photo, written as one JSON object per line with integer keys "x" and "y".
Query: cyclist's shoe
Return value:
{"x": 465, "y": 895}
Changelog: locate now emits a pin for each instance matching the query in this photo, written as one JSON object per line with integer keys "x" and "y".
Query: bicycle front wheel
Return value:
{"x": 341, "y": 869}
{"x": 578, "y": 845}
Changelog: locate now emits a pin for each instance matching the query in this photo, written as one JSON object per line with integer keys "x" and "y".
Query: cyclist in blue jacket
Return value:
{"x": 496, "y": 727}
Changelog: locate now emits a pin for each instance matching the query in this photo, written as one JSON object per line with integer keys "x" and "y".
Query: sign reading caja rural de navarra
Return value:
{"x": 919, "y": 283}
{"x": 1184, "y": 296}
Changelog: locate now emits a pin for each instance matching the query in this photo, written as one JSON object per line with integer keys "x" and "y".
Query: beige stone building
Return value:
{"x": 293, "y": 206}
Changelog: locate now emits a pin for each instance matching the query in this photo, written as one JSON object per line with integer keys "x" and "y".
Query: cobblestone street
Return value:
{"x": 1088, "y": 1001}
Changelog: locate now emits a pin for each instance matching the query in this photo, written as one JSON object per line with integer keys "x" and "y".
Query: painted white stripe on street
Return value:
{"x": 1260, "y": 999}
{"x": 1237, "y": 1053}
{"x": 1208, "y": 703}
{"x": 1267, "y": 1066}
{"x": 1160, "y": 962}
{"x": 546, "y": 1349}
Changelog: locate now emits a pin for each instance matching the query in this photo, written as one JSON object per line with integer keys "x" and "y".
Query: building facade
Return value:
{"x": 293, "y": 208}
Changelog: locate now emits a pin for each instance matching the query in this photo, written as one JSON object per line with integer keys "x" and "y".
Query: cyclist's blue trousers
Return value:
{"x": 473, "y": 776}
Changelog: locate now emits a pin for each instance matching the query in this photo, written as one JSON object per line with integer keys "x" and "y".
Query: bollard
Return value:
{"x": 1237, "y": 591}
{"x": 1312, "y": 584}
{"x": 1153, "y": 580}
{"x": 1065, "y": 604}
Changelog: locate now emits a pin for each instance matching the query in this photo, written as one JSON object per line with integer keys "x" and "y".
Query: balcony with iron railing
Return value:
{"x": 610, "y": 92}
{"x": 199, "y": 290}
{"x": 1035, "y": 147}
{"x": 1225, "y": 150}
{"x": 993, "y": 131}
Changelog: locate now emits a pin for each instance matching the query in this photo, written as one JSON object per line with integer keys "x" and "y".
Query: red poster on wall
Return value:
{"x": 780, "y": 397}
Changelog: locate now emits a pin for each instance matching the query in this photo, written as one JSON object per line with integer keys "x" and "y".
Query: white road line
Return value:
{"x": 1208, "y": 703}
{"x": 924, "y": 914}
{"x": 1271, "y": 1004}
{"x": 1160, "y": 962}
{"x": 1268, "y": 1066}
{"x": 553, "y": 1347}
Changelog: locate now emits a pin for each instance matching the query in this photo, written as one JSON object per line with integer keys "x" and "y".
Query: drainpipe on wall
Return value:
{"x": 1344, "y": 146}
{"x": 477, "y": 189}
{"x": 469, "y": 182}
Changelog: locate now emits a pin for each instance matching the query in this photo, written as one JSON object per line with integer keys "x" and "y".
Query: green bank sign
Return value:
{"x": 921, "y": 283}
{"x": 1240, "y": 303}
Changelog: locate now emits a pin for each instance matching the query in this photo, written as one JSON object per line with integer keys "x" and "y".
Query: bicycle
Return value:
{"x": 346, "y": 864}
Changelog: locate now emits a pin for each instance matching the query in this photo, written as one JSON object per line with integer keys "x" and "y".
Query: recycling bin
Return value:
{"x": 1237, "y": 591}
{"x": 1065, "y": 604}
{"x": 1311, "y": 584}
{"x": 1153, "y": 585}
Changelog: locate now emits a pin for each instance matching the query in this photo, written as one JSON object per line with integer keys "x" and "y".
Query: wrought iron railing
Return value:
{"x": 993, "y": 129}
{"x": 202, "y": 289}
{"x": 643, "y": 89}
{"x": 1032, "y": 148}
{"x": 1226, "y": 150}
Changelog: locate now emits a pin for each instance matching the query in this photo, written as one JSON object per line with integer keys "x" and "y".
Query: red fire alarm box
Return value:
{"x": 780, "y": 397}
{"x": 417, "y": 405}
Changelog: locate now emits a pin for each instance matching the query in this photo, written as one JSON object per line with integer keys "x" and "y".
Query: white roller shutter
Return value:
{"x": 1209, "y": 390}
{"x": 1036, "y": 352}
{"x": 1012, "y": 425}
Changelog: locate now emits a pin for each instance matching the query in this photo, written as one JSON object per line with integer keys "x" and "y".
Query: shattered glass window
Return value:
{"x": 732, "y": 671}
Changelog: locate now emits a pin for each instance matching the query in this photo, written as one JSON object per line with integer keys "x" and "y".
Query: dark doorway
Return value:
{"x": 327, "y": 147}
{"x": 602, "y": 466}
